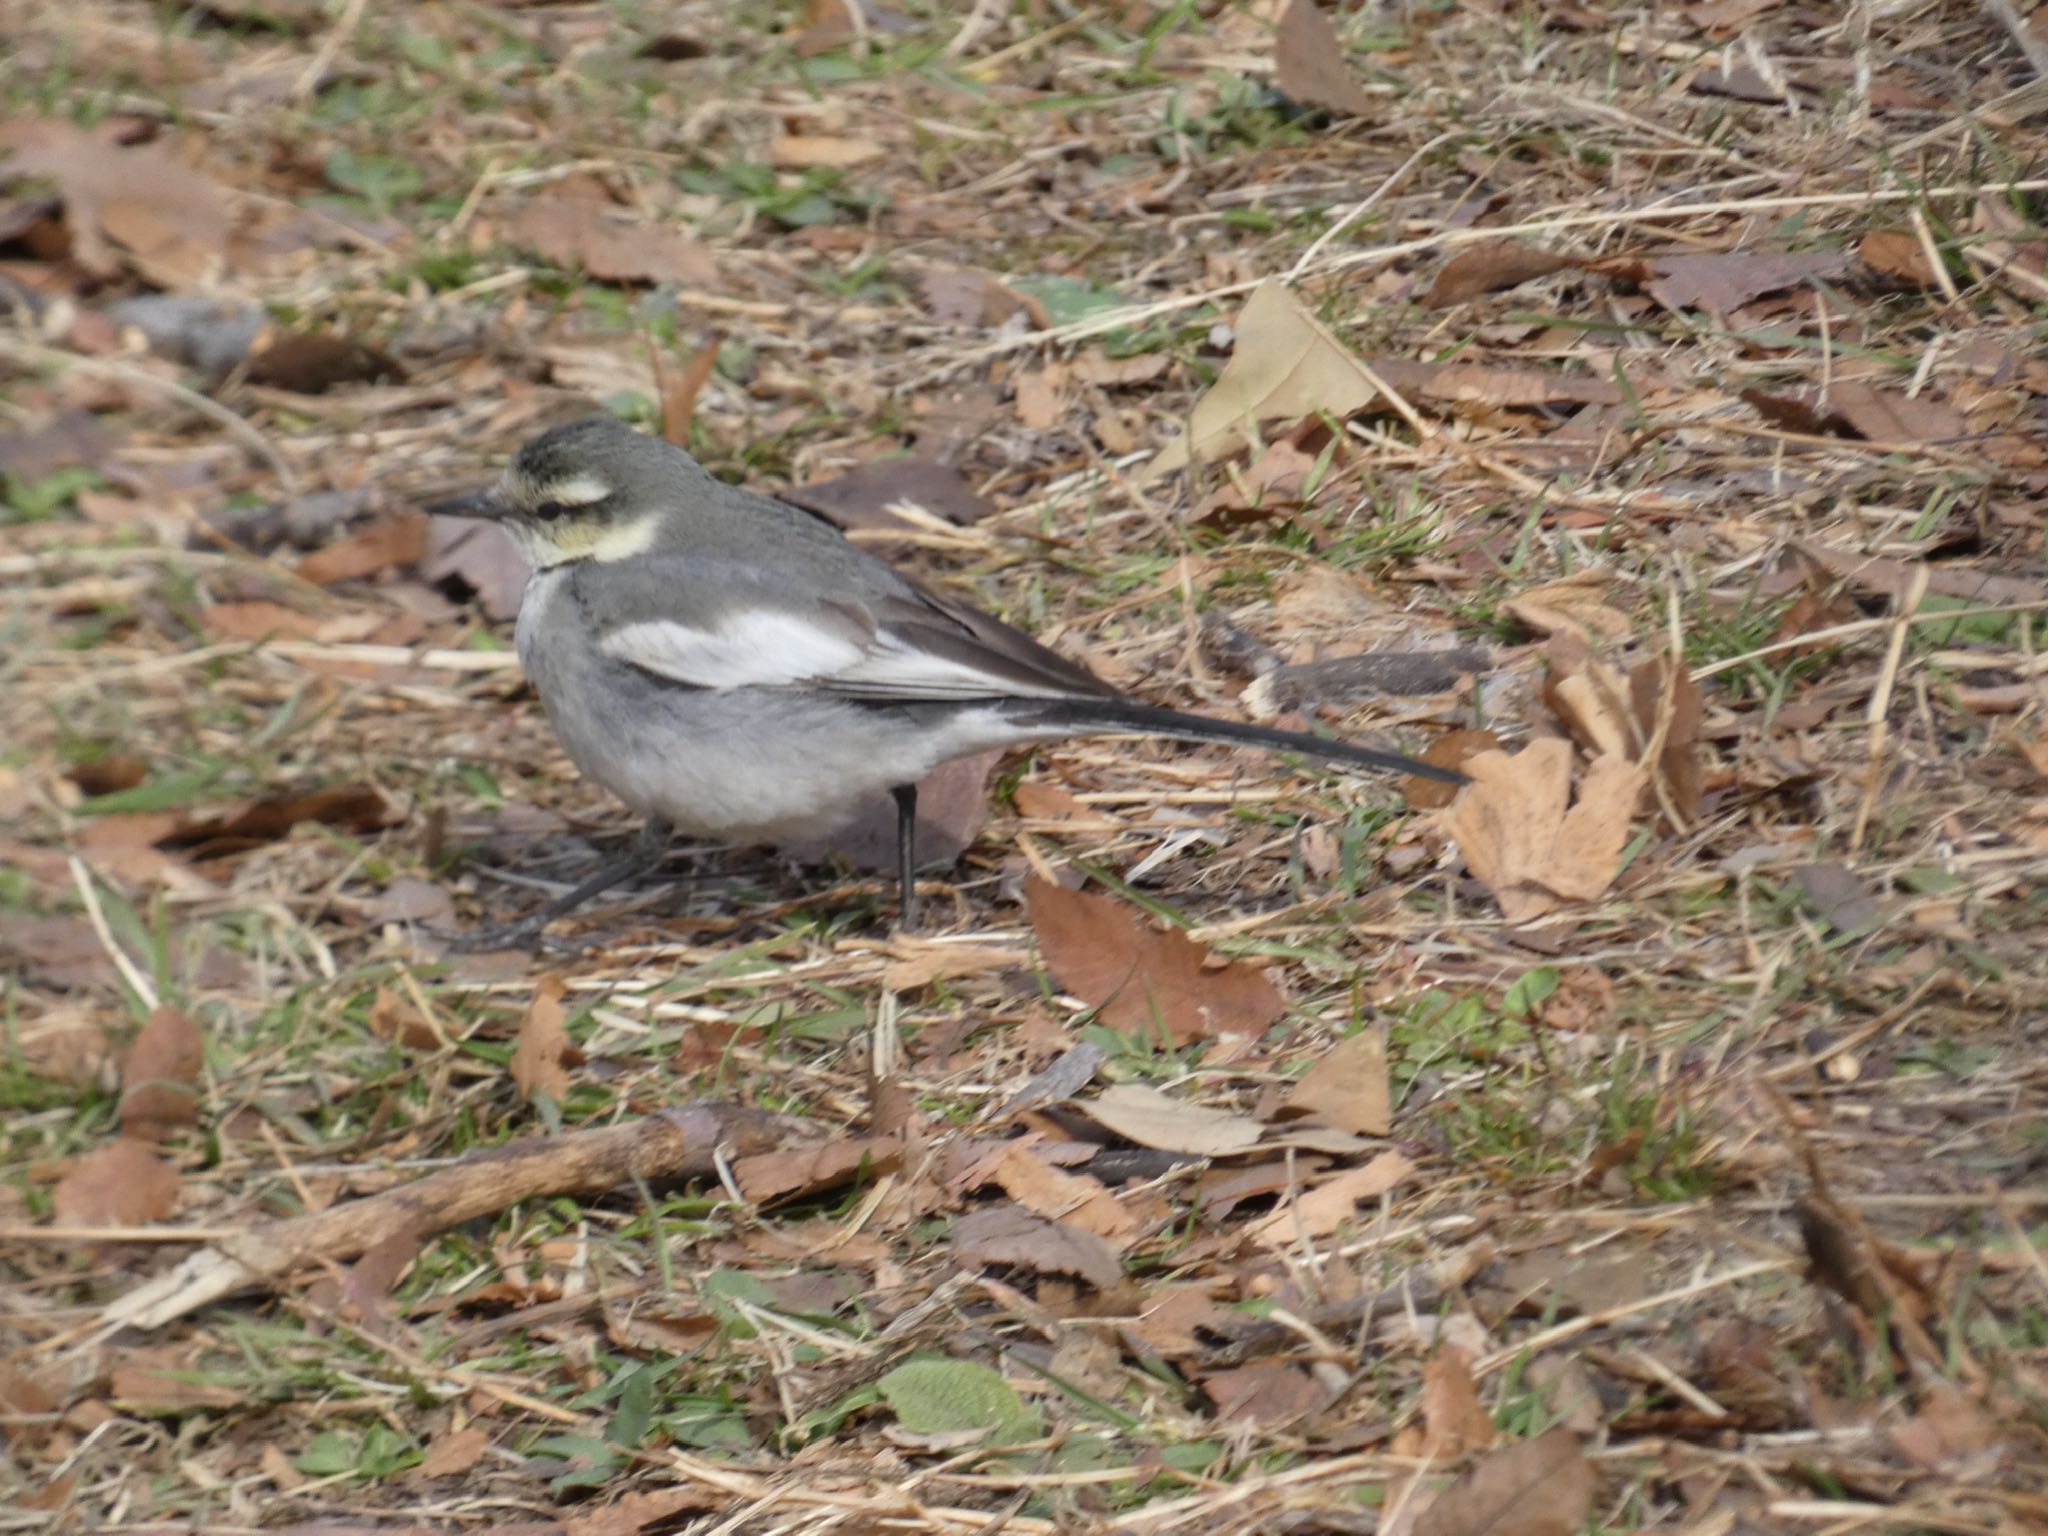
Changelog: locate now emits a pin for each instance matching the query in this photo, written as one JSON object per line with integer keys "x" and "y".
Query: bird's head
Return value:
{"x": 594, "y": 489}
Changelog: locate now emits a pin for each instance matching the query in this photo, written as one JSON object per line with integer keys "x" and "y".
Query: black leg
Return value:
{"x": 906, "y": 856}
{"x": 645, "y": 852}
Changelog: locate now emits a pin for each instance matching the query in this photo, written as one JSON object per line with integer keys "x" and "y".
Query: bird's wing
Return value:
{"x": 720, "y": 624}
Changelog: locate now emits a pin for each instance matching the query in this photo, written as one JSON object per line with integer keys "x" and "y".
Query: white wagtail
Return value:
{"x": 731, "y": 667}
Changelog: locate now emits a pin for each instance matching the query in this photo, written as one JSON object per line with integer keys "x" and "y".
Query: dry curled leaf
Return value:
{"x": 1488, "y": 268}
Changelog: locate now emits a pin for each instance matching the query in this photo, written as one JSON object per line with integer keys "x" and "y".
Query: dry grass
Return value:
{"x": 1735, "y": 1171}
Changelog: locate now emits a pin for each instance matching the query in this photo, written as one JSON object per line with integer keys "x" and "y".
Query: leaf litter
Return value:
{"x": 1700, "y": 425}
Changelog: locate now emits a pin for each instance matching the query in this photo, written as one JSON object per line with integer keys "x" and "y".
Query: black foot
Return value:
{"x": 906, "y": 857}
{"x": 647, "y": 849}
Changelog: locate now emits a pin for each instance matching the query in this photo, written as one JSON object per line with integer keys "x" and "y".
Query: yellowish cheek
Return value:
{"x": 595, "y": 540}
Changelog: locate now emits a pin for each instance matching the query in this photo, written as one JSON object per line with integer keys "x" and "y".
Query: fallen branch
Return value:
{"x": 675, "y": 1144}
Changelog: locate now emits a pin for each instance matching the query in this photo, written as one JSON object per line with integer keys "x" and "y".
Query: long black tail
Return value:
{"x": 1119, "y": 717}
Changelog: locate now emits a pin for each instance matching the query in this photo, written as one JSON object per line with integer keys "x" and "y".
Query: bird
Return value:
{"x": 732, "y": 667}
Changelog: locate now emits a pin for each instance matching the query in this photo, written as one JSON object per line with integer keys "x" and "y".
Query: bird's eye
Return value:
{"x": 548, "y": 511}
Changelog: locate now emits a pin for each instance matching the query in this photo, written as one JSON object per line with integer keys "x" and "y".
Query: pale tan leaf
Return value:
{"x": 1331, "y": 1204}
{"x": 1346, "y": 1087}
{"x": 1286, "y": 365}
{"x": 1521, "y": 840}
{"x": 805, "y": 151}
{"x": 1153, "y": 1119}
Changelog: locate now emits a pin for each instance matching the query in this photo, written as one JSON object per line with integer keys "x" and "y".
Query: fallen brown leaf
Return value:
{"x": 352, "y": 807}
{"x": 679, "y": 394}
{"x": 1488, "y": 385}
{"x": 122, "y": 1184}
{"x": 1346, "y": 1087}
{"x": 808, "y": 1169}
{"x": 1153, "y": 1119}
{"x": 106, "y": 775}
{"x": 1449, "y": 750}
{"x": 952, "y": 808}
{"x": 1488, "y": 268}
{"x": 1662, "y": 691}
{"x": 539, "y": 1058}
{"x": 1331, "y": 1204}
{"x": 166, "y": 1381}
{"x": 257, "y": 620}
{"x": 864, "y": 498}
{"x": 452, "y": 1454}
{"x": 1058, "y": 1195}
{"x": 1577, "y": 603}
{"x": 1141, "y": 977}
{"x": 1285, "y": 365}
{"x": 1309, "y": 64}
{"x": 313, "y": 362}
{"x": 1008, "y": 1234}
{"x": 1523, "y": 838}
{"x": 172, "y": 222}
{"x": 1454, "y": 1420}
{"x": 1589, "y": 698}
{"x": 395, "y": 1018}
{"x": 1895, "y": 578}
{"x": 655, "y": 1509}
{"x": 1539, "y": 1487}
{"x": 965, "y": 298}
{"x": 1948, "y": 1433}
{"x": 1721, "y": 281}
{"x": 479, "y": 556}
{"x": 1886, "y": 416}
{"x": 400, "y": 540}
{"x": 589, "y": 235}
{"x": 1267, "y": 1392}
{"x": 1898, "y": 253}
{"x": 1728, "y": 15}
{"x": 160, "y": 1077}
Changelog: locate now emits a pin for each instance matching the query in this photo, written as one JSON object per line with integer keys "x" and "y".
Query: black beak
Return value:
{"x": 484, "y": 503}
